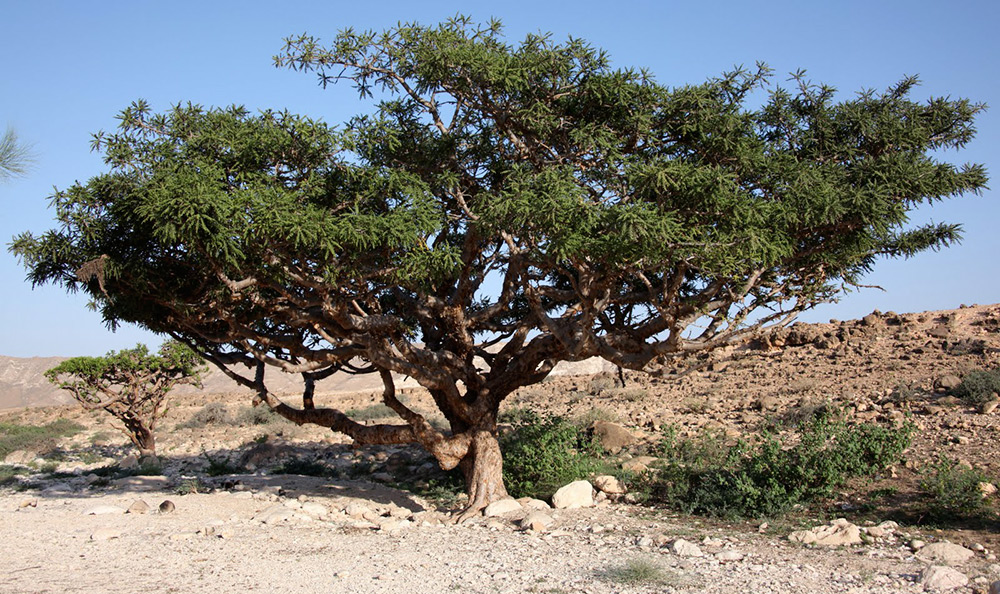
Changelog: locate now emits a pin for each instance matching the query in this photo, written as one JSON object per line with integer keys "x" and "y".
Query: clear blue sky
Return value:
{"x": 70, "y": 66}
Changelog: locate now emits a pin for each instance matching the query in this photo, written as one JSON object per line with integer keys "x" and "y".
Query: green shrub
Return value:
{"x": 9, "y": 474}
{"x": 636, "y": 572}
{"x": 370, "y": 413}
{"x": 15, "y": 437}
{"x": 978, "y": 387}
{"x": 953, "y": 491}
{"x": 768, "y": 477}
{"x": 256, "y": 415}
{"x": 543, "y": 454}
{"x": 213, "y": 413}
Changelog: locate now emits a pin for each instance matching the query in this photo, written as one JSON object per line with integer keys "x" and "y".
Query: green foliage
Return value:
{"x": 15, "y": 157}
{"x": 33, "y": 437}
{"x": 9, "y": 474}
{"x": 953, "y": 491}
{"x": 257, "y": 415}
{"x": 766, "y": 478}
{"x": 979, "y": 387}
{"x": 213, "y": 413}
{"x": 543, "y": 454}
{"x": 369, "y": 413}
{"x": 637, "y": 572}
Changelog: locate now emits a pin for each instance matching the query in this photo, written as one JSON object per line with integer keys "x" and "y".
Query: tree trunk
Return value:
{"x": 483, "y": 470}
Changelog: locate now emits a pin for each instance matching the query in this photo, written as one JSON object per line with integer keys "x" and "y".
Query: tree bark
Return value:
{"x": 482, "y": 467}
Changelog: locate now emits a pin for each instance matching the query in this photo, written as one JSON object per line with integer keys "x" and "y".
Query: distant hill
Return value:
{"x": 22, "y": 383}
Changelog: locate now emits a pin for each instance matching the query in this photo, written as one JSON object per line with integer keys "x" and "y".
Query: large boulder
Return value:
{"x": 839, "y": 532}
{"x": 945, "y": 553}
{"x": 574, "y": 495}
{"x": 612, "y": 436}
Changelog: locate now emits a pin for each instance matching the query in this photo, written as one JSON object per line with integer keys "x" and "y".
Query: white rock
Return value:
{"x": 357, "y": 510}
{"x": 274, "y": 514}
{"x": 315, "y": 509}
{"x": 103, "y": 510}
{"x": 942, "y": 577}
{"x": 105, "y": 534}
{"x": 945, "y": 553}
{"x": 538, "y": 521}
{"x": 609, "y": 484}
{"x": 730, "y": 555}
{"x": 839, "y": 532}
{"x": 684, "y": 548}
{"x": 574, "y": 495}
{"x": 499, "y": 508}
{"x": 532, "y": 503}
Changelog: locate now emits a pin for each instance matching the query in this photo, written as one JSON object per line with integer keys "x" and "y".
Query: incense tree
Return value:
{"x": 131, "y": 385}
{"x": 503, "y": 207}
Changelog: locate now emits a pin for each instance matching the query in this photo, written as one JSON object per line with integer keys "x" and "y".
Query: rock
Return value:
{"x": 684, "y": 548}
{"x": 639, "y": 464}
{"x": 987, "y": 489}
{"x": 989, "y": 407}
{"x": 948, "y": 382}
{"x": 538, "y": 521}
{"x": 138, "y": 507}
{"x": 839, "y": 532}
{"x": 264, "y": 454}
{"x": 995, "y": 588}
{"x": 167, "y": 506}
{"x": 103, "y": 510}
{"x": 275, "y": 514}
{"x": 916, "y": 544}
{"x": 612, "y": 436}
{"x": 940, "y": 331}
{"x": 767, "y": 404}
{"x": 729, "y": 556}
{"x": 25, "y": 503}
{"x": 532, "y": 503}
{"x": 357, "y": 510}
{"x": 944, "y": 553}
{"x": 129, "y": 462}
{"x": 609, "y": 484}
{"x": 22, "y": 457}
{"x": 315, "y": 509}
{"x": 105, "y": 534}
{"x": 942, "y": 577}
{"x": 499, "y": 508}
{"x": 574, "y": 495}
{"x": 871, "y": 319}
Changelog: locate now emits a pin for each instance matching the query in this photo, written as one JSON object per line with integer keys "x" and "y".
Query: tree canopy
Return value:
{"x": 131, "y": 385}
{"x": 503, "y": 208}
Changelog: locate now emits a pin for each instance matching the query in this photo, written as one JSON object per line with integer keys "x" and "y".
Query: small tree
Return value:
{"x": 505, "y": 208}
{"x": 131, "y": 384}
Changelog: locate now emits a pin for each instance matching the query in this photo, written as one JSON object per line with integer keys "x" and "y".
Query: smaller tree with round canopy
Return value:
{"x": 505, "y": 208}
{"x": 131, "y": 385}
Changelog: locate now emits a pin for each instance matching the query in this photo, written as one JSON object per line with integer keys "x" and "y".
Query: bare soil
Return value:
{"x": 267, "y": 531}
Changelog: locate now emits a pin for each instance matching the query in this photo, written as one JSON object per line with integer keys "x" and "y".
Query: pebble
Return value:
{"x": 684, "y": 548}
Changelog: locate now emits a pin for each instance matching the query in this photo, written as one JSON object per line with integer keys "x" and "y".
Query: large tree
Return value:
{"x": 505, "y": 207}
{"x": 131, "y": 385}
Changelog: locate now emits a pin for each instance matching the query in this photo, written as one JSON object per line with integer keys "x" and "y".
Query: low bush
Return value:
{"x": 370, "y": 413}
{"x": 953, "y": 491}
{"x": 38, "y": 438}
{"x": 543, "y": 454}
{"x": 213, "y": 413}
{"x": 979, "y": 387}
{"x": 749, "y": 480}
{"x": 256, "y": 415}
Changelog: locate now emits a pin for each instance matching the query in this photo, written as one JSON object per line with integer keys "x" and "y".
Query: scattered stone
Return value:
{"x": 138, "y": 507}
{"x": 916, "y": 544}
{"x": 612, "y": 436}
{"x": 839, "y": 532}
{"x": 609, "y": 484}
{"x": 103, "y": 510}
{"x": 274, "y": 515}
{"x": 987, "y": 489}
{"x": 502, "y": 507}
{"x": 944, "y": 553}
{"x": 27, "y": 503}
{"x": 639, "y": 464}
{"x": 684, "y": 548}
{"x": 990, "y": 406}
{"x": 537, "y": 521}
{"x": 357, "y": 510}
{"x": 532, "y": 503}
{"x": 948, "y": 382}
{"x": 105, "y": 534}
{"x": 730, "y": 556}
{"x": 167, "y": 506}
{"x": 942, "y": 577}
{"x": 315, "y": 509}
{"x": 574, "y": 495}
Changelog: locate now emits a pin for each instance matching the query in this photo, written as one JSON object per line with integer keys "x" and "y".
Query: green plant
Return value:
{"x": 213, "y": 413}
{"x": 543, "y": 454}
{"x": 979, "y": 387}
{"x": 190, "y": 486}
{"x": 256, "y": 415}
{"x": 303, "y": 467}
{"x": 767, "y": 477}
{"x": 636, "y": 572}
{"x": 593, "y": 415}
{"x": 9, "y": 474}
{"x": 953, "y": 491}
{"x": 39, "y": 438}
{"x": 370, "y": 413}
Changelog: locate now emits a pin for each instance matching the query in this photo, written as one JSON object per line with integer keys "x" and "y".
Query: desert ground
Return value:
{"x": 238, "y": 506}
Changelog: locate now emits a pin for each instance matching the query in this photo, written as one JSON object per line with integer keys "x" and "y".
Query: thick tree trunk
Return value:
{"x": 483, "y": 470}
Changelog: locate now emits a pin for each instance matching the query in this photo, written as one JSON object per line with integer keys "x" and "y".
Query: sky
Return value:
{"x": 71, "y": 66}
